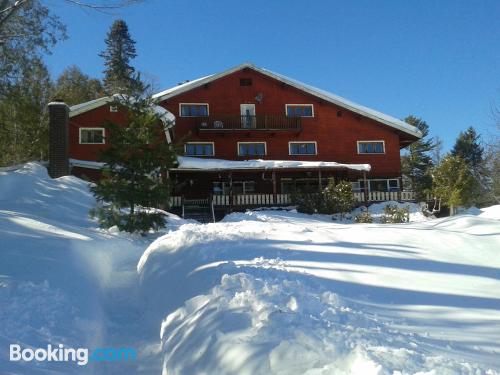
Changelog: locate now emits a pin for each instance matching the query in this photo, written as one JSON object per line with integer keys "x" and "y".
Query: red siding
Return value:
{"x": 95, "y": 118}
{"x": 336, "y": 137}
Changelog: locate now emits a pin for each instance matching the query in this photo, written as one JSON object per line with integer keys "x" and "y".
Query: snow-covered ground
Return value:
{"x": 276, "y": 292}
{"x": 263, "y": 292}
{"x": 62, "y": 279}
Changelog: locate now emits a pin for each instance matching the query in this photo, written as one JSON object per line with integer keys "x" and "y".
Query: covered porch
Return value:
{"x": 236, "y": 185}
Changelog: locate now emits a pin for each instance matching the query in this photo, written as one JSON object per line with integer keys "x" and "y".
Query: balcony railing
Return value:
{"x": 244, "y": 123}
{"x": 286, "y": 199}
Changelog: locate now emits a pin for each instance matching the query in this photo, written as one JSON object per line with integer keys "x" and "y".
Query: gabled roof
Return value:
{"x": 325, "y": 95}
{"x": 75, "y": 110}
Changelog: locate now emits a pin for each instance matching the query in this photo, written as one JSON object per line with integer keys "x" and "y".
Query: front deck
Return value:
{"x": 240, "y": 201}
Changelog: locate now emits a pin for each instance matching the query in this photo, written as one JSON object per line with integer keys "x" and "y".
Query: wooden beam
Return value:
{"x": 319, "y": 180}
{"x": 274, "y": 188}
{"x": 365, "y": 190}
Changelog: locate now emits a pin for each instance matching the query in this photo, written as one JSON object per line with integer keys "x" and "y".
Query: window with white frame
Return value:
{"x": 251, "y": 148}
{"x": 92, "y": 136}
{"x": 193, "y": 109}
{"x": 371, "y": 147}
{"x": 199, "y": 149}
{"x": 302, "y": 148}
{"x": 239, "y": 187}
{"x": 299, "y": 110}
{"x": 377, "y": 184}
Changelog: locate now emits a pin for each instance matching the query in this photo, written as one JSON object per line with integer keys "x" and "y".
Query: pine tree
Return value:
{"x": 119, "y": 76}
{"x": 468, "y": 148}
{"x": 416, "y": 165}
{"x": 74, "y": 87}
{"x": 454, "y": 183}
{"x": 137, "y": 161}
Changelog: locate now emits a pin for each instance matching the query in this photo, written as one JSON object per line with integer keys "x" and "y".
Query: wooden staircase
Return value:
{"x": 201, "y": 210}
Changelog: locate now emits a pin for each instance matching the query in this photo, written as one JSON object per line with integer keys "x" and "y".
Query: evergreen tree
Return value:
{"x": 24, "y": 116}
{"x": 120, "y": 77}
{"x": 417, "y": 164}
{"x": 75, "y": 87}
{"x": 137, "y": 161}
{"x": 468, "y": 147}
{"x": 454, "y": 183}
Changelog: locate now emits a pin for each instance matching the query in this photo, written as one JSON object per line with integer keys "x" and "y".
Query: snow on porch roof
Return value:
{"x": 325, "y": 95}
{"x": 192, "y": 163}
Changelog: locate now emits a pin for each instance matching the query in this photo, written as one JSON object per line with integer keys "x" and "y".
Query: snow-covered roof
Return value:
{"x": 192, "y": 163}
{"x": 86, "y": 164}
{"x": 167, "y": 117}
{"x": 325, "y": 95}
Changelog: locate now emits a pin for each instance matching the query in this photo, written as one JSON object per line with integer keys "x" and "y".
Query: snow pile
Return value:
{"x": 282, "y": 326}
{"x": 187, "y": 162}
{"x": 64, "y": 280}
{"x": 277, "y": 292}
{"x": 376, "y": 210}
{"x": 492, "y": 212}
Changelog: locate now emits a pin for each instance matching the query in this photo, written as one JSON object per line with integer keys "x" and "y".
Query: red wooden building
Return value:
{"x": 250, "y": 136}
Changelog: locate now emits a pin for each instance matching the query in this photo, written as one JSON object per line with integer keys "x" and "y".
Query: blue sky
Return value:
{"x": 439, "y": 60}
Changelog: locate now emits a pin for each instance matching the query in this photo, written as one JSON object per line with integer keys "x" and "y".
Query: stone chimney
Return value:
{"x": 58, "y": 139}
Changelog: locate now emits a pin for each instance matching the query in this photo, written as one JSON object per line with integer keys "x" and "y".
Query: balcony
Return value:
{"x": 249, "y": 123}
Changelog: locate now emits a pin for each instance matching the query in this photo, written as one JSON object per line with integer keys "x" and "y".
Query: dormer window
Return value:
{"x": 299, "y": 110}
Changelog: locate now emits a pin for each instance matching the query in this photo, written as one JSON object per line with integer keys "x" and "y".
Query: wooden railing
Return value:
{"x": 243, "y": 200}
{"x": 264, "y": 122}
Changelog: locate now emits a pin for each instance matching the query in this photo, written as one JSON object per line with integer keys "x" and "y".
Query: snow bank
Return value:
{"x": 252, "y": 325}
{"x": 377, "y": 210}
{"x": 277, "y": 292}
{"x": 62, "y": 279}
{"x": 186, "y": 162}
{"x": 492, "y": 212}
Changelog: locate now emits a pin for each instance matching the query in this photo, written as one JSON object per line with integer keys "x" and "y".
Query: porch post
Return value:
{"x": 400, "y": 181}
{"x": 274, "y": 188}
{"x": 319, "y": 180}
{"x": 231, "y": 192}
{"x": 365, "y": 184}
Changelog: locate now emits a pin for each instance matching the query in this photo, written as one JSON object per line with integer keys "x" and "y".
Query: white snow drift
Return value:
{"x": 275, "y": 292}
{"x": 263, "y": 292}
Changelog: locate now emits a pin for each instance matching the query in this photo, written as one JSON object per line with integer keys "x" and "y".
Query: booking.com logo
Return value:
{"x": 60, "y": 353}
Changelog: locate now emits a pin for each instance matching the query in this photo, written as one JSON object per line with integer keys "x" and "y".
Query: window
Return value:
{"x": 393, "y": 185}
{"x": 239, "y": 187}
{"x": 199, "y": 149}
{"x": 302, "y": 185}
{"x": 299, "y": 110}
{"x": 193, "y": 109}
{"x": 371, "y": 147}
{"x": 302, "y": 148}
{"x": 245, "y": 81}
{"x": 113, "y": 108}
{"x": 90, "y": 136}
{"x": 251, "y": 148}
{"x": 378, "y": 184}
{"x": 357, "y": 186}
